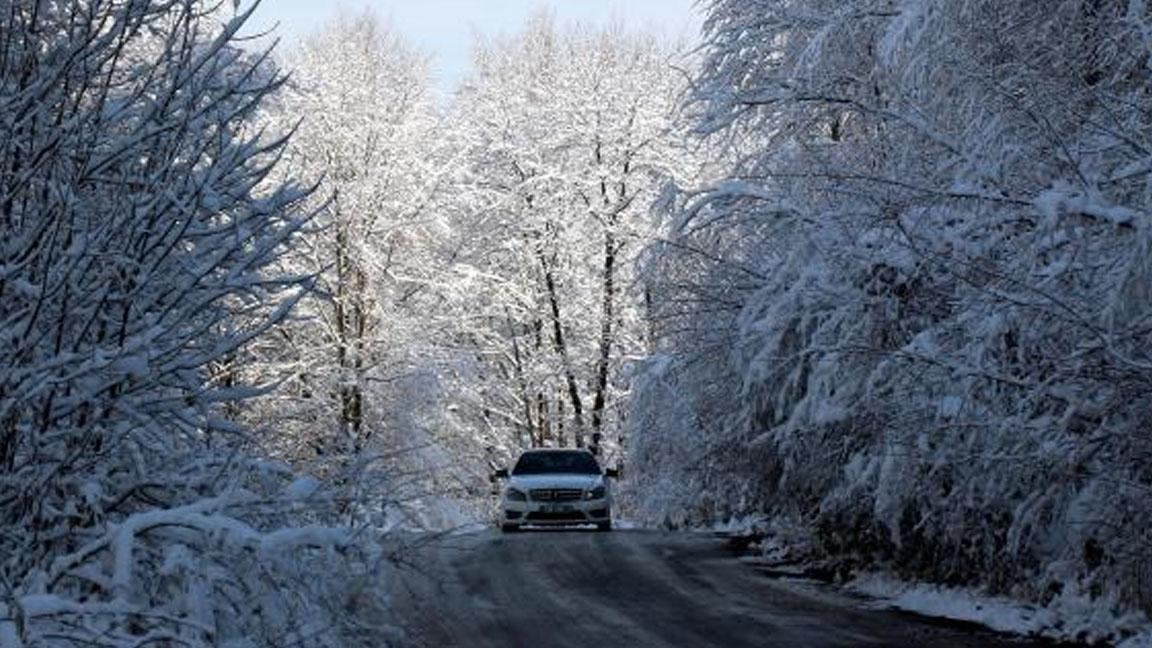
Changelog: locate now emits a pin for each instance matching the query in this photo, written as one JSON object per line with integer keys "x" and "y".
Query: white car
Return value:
{"x": 556, "y": 487}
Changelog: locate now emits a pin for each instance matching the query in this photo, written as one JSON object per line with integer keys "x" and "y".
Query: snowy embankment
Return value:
{"x": 1067, "y": 617}
{"x": 242, "y": 569}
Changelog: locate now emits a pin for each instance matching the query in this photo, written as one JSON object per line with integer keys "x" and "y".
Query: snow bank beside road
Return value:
{"x": 781, "y": 552}
{"x": 1068, "y": 617}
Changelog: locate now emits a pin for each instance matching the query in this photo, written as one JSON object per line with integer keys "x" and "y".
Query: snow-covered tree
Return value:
{"x": 359, "y": 396}
{"x": 138, "y": 245}
{"x": 363, "y": 126}
{"x": 568, "y": 135}
{"x": 926, "y": 278}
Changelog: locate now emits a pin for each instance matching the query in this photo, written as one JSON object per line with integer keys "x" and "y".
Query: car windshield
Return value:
{"x": 576, "y": 462}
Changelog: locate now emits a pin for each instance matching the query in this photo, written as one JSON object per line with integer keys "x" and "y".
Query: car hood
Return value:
{"x": 528, "y": 482}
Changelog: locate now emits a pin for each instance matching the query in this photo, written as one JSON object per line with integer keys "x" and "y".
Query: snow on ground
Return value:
{"x": 1069, "y": 617}
{"x": 625, "y": 524}
{"x": 433, "y": 513}
{"x": 741, "y": 526}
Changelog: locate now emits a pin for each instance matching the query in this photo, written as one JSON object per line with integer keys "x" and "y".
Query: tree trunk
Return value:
{"x": 607, "y": 315}
{"x": 562, "y": 350}
{"x": 522, "y": 383}
{"x": 346, "y": 316}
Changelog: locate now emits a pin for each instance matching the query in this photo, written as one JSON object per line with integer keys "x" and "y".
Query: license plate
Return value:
{"x": 556, "y": 508}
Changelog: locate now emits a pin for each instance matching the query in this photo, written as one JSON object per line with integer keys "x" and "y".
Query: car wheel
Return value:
{"x": 604, "y": 526}
{"x": 509, "y": 528}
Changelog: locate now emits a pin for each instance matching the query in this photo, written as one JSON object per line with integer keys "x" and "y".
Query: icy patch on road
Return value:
{"x": 1068, "y": 617}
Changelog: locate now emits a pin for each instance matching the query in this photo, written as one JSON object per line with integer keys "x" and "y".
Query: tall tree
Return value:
{"x": 363, "y": 126}
{"x": 568, "y": 135}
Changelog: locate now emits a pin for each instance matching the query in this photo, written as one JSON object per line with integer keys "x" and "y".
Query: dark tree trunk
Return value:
{"x": 349, "y": 320}
{"x": 562, "y": 350}
{"x": 522, "y": 383}
{"x": 607, "y": 317}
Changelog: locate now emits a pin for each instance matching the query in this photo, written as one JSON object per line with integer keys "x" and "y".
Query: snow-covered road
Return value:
{"x": 632, "y": 588}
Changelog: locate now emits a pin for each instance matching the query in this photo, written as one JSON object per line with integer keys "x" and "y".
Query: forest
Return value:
{"x": 872, "y": 276}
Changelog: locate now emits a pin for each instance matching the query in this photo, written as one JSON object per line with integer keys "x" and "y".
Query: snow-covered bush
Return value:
{"x": 921, "y": 312}
{"x": 136, "y": 239}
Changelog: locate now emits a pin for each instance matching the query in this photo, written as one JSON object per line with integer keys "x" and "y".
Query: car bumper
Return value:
{"x": 556, "y": 513}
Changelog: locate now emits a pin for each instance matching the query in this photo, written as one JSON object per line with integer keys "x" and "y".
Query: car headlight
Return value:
{"x": 597, "y": 493}
{"x": 515, "y": 495}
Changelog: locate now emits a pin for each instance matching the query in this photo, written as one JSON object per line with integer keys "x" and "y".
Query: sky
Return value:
{"x": 444, "y": 28}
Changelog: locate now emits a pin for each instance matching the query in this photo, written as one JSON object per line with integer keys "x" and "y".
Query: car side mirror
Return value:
{"x": 501, "y": 473}
{"x": 614, "y": 473}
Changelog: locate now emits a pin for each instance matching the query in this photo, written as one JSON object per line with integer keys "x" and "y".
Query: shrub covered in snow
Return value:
{"x": 915, "y": 315}
{"x": 135, "y": 235}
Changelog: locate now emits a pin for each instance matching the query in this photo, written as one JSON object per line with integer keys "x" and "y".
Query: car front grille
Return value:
{"x": 562, "y": 516}
{"x": 556, "y": 494}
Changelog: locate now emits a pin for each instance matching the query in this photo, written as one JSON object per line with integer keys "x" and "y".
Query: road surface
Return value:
{"x": 636, "y": 589}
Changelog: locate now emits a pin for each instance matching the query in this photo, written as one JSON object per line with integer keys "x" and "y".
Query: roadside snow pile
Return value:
{"x": 206, "y": 573}
{"x": 436, "y": 513}
{"x": 1067, "y": 617}
{"x": 745, "y": 525}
